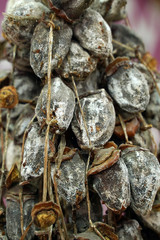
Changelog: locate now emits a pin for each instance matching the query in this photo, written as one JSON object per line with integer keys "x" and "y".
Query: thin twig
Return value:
{"x": 48, "y": 112}
{"x": 4, "y": 153}
{"x": 81, "y": 110}
{"x": 58, "y": 161}
{"x": 87, "y": 166}
{"x": 123, "y": 45}
{"x": 44, "y": 198}
{"x": 123, "y": 125}
{"x": 26, "y": 231}
{"x": 58, "y": 203}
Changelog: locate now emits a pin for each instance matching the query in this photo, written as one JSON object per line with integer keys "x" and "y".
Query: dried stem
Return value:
{"x": 87, "y": 166}
{"x": 145, "y": 125}
{"x": 81, "y": 110}
{"x": 26, "y": 231}
{"x": 44, "y": 198}
{"x": 58, "y": 161}
{"x": 124, "y": 129}
{"x": 58, "y": 202}
{"x": 123, "y": 45}
{"x": 48, "y": 112}
{"x": 4, "y": 153}
{"x": 21, "y": 207}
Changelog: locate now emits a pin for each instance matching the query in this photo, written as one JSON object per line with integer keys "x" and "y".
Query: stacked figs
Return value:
{"x": 101, "y": 152}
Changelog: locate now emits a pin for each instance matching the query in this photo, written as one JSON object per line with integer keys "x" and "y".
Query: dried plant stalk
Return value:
{"x": 4, "y": 154}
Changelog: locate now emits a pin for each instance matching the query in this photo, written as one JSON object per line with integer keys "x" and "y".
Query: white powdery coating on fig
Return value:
{"x": 40, "y": 46}
{"x": 62, "y": 104}
{"x": 99, "y": 116}
{"x": 78, "y": 63}
{"x": 130, "y": 230}
{"x": 94, "y": 34}
{"x": 144, "y": 175}
{"x": 129, "y": 89}
{"x": 71, "y": 181}
{"x": 112, "y": 185}
{"x": 25, "y": 15}
{"x": 33, "y": 157}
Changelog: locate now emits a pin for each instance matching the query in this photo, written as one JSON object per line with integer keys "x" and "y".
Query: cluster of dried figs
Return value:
{"x": 78, "y": 160}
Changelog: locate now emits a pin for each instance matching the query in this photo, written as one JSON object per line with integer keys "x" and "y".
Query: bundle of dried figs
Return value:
{"x": 78, "y": 158}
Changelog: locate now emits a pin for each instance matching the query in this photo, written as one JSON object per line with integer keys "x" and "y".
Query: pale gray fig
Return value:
{"x": 19, "y": 23}
{"x": 144, "y": 176}
{"x": 62, "y": 35}
{"x": 99, "y": 117}
{"x": 94, "y": 34}
{"x": 61, "y": 108}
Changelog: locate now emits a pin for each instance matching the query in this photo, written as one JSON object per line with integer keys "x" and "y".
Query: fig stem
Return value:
{"x": 58, "y": 161}
{"x": 142, "y": 120}
{"x": 48, "y": 120}
{"x": 124, "y": 129}
{"x": 4, "y": 153}
{"x": 123, "y": 45}
{"x": 87, "y": 166}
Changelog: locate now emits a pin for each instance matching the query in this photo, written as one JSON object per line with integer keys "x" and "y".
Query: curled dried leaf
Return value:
{"x": 102, "y": 155}
{"x": 131, "y": 128}
{"x": 110, "y": 144}
{"x": 13, "y": 176}
{"x": 118, "y": 62}
{"x": 45, "y": 214}
{"x": 8, "y": 97}
{"x": 67, "y": 154}
{"x": 106, "y": 231}
{"x": 125, "y": 145}
{"x": 106, "y": 164}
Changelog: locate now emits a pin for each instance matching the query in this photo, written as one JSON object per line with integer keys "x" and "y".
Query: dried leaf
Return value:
{"x": 13, "y": 176}
{"x": 106, "y": 230}
{"x": 107, "y": 164}
{"x": 102, "y": 155}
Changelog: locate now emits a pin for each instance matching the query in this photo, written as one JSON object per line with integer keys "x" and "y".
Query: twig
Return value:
{"x": 58, "y": 202}
{"x": 45, "y": 165}
{"x": 87, "y": 166}
{"x": 123, "y": 45}
{"x": 48, "y": 112}
{"x": 58, "y": 161}
{"x": 123, "y": 125}
{"x": 26, "y": 231}
{"x": 4, "y": 153}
